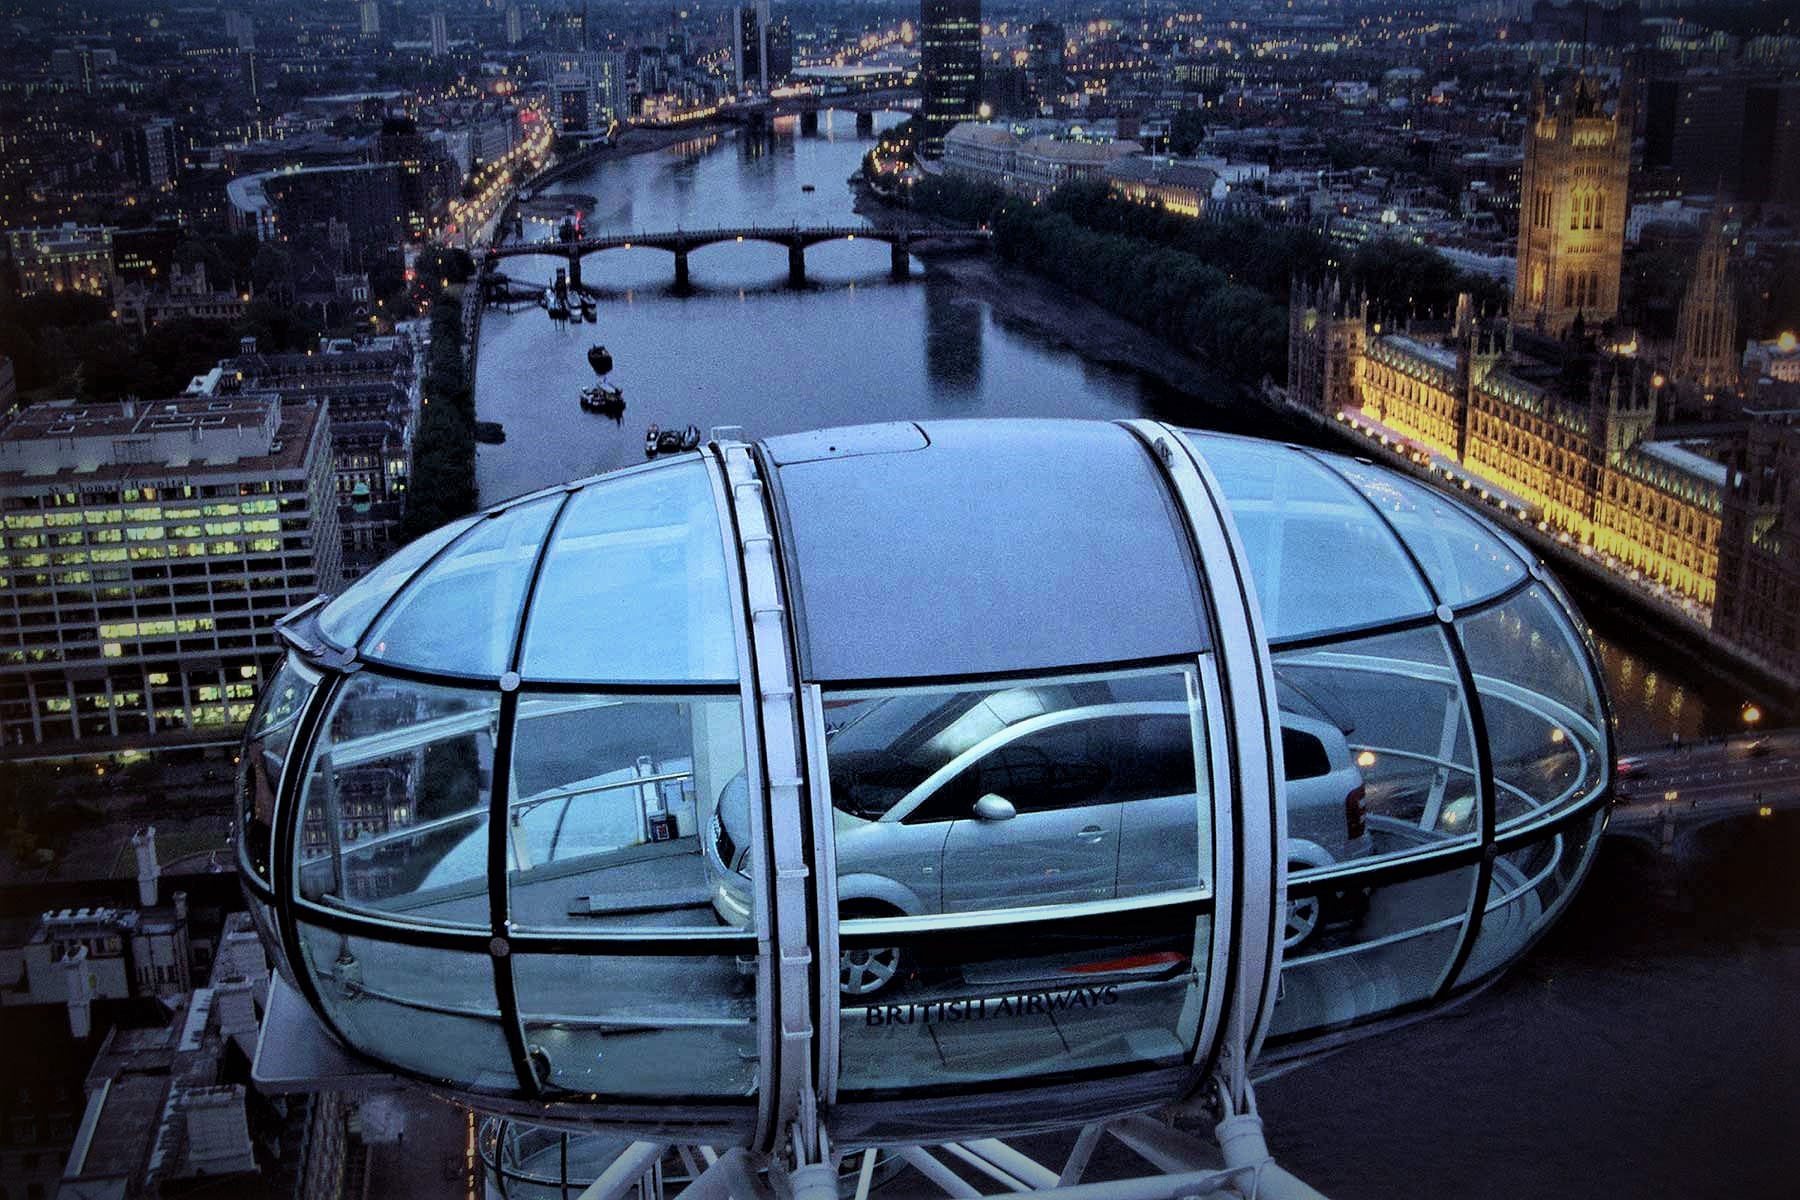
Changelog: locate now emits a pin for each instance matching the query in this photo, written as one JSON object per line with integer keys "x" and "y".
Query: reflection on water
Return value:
{"x": 953, "y": 333}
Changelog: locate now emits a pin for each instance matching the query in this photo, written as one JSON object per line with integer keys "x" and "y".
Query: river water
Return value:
{"x": 1648, "y": 1047}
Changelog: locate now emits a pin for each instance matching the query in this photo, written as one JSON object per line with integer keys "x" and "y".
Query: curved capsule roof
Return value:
{"x": 909, "y": 761}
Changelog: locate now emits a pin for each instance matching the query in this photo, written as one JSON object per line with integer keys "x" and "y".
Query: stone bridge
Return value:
{"x": 682, "y": 242}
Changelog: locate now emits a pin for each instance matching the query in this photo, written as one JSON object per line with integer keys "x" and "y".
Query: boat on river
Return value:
{"x": 590, "y": 312}
{"x": 600, "y": 358}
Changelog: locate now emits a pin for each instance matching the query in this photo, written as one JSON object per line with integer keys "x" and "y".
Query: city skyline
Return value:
{"x": 296, "y": 295}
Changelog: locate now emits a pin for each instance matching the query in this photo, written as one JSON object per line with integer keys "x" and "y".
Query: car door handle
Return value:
{"x": 1091, "y": 835}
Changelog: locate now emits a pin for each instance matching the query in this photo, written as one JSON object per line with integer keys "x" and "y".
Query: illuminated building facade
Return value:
{"x": 949, "y": 68}
{"x": 1574, "y": 196}
{"x": 67, "y": 258}
{"x": 1507, "y": 408}
{"x": 750, "y": 46}
{"x": 148, "y": 550}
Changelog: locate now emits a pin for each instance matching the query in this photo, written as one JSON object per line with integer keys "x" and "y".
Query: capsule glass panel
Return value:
{"x": 1297, "y": 519}
{"x": 266, "y": 742}
{"x": 1541, "y": 706}
{"x": 644, "y": 1025}
{"x": 345, "y": 619}
{"x": 1378, "y": 748}
{"x": 1531, "y": 884}
{"x": 956, "y": 802}
{"x": 1466, "y": 559}
{"x": 461, "y": 615}
{"x": 619, "y": 811}
{"x": 395, "y": 805}
{"x": 428, "y": 1011}
{"x": 634, "y": 586}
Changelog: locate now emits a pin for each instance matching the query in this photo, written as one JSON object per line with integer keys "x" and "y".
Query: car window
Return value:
{"x": 1304, "y": 753}
{"x": 1073, "y": 764}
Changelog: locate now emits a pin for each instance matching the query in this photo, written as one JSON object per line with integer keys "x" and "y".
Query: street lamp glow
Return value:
{"x": 1751, "y": 714}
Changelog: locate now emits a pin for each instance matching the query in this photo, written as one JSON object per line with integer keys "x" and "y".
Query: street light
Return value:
{"x": 1751, "y": 714}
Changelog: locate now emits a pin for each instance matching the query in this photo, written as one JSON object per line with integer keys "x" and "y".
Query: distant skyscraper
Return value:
{"x": 515, "y": 25}
{"x": 1044, "y": 66}
{"x": 750, "y": 46}
{"x": 1574, "y": 195}
{"x": 440, "y": 35}
{"x": 371, "y": 18}
{"x": 781, "y": 51}
{"x": 151, "y": 154}
{"x": 949, "y": 68}
{"x": 1706, "y": 353}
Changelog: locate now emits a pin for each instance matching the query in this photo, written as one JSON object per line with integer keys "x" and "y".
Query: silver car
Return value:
{"x": 971, "y": 802}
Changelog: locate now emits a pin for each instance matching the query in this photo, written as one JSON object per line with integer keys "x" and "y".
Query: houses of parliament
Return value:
{"x": 1555, "y": 405}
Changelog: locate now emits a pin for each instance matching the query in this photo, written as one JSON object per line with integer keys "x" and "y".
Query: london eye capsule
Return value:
{"x": 1045, "y": 765}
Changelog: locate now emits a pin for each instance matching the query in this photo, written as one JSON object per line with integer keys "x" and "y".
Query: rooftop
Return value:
{"x": 77, "y": 440}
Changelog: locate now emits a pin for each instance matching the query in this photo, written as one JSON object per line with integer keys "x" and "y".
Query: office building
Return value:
{"x": 949, "y": 69}
{"x": 750, "y": 46}
{"x": 440, "y": 35}
{"x": 372, "y": 391}
{"x": 66, "y": 258}
{"x": 152, "y": 156}
{"x": 149, "y": 549}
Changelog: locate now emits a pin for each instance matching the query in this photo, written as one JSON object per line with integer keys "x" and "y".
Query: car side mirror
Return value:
{"x": 995, "y": 808}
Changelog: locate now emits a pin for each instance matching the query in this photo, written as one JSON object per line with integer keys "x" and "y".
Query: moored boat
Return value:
{"x": 600, "y": 359}
{"x": 603, "y": 397}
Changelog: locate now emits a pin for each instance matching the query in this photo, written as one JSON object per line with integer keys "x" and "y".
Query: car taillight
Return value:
{"x": 1354, "y": 813}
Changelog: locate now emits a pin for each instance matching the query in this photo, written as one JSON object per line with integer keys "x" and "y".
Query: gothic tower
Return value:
{"x": 1706, "y": 330}
{"x": 1326, "y": 335}
{"x": 1574, "y": 195}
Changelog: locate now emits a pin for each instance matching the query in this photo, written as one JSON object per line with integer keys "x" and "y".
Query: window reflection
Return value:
{"x": 266, "y": 742}
{"x": 639, "y": 1026}
{"x": 1540, "y": 706}
{"x": 344, "y": 619}
{"x": 1056, "y": 791}
{"x": 1296, "y": 519}
{"x": 425, "y": 1010}
{"x": 1379, "y": 751}
{"x": 395, "y": 808}
{"x": 617, "y": 811}
{"x": 462, "y": 614}
{"x": 984, "y": 1004}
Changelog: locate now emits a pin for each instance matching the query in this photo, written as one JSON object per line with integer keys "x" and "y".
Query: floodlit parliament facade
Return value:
{"x": 1549, "y": 405}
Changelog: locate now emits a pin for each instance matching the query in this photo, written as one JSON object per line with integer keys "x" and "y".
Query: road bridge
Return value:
{"x": 1665, "y": 796}
{"x": 682, "y": 242}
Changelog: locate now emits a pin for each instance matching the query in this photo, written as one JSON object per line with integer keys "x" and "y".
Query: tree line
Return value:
{"x": 1215, "y": 289}
{"x": 442, "y": 487}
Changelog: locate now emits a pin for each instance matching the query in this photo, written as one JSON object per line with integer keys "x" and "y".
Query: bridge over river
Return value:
{"x": 682, "y": 242}
{"x": 1668, "y": 794}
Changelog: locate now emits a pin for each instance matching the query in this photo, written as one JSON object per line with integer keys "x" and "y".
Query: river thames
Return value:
{"x": 1647, "y": 1047}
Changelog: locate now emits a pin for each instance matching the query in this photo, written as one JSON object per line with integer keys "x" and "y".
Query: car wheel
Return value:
{"x": 868, "y": 971}
{"x": 1303, "y": 916}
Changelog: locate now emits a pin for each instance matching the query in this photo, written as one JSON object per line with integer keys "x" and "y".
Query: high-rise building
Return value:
{"x": 1706, "y": 353}
{"x": 750, "y": 46}
{"x": 1707, "y": 132}
{"x": 515, "y": 25}
{"x": 949, "y": 68}
{"x": 150, "y": 549}
{"x": 781, "y": 52}
{"x": 151, "y": 154}
{"x": 1044, "y": 62}
{"x": 1574, "y": 195}
{"x": 371, "y": 18}
{"x": 440, "y": 35}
